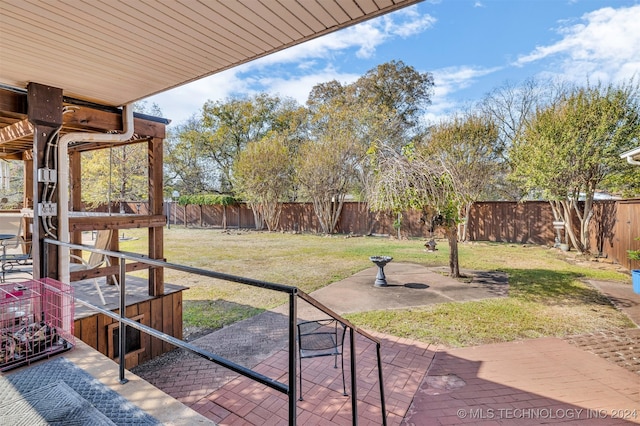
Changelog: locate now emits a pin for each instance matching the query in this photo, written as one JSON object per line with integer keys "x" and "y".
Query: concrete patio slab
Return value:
{"x": 409, "y": 285}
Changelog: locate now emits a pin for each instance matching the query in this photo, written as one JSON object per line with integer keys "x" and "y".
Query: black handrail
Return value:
{"x": 290, "y": 389}
{"x": 353, "y": 329}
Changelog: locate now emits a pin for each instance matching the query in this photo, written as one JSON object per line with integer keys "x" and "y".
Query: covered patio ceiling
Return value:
{"x": 119, "y": 51}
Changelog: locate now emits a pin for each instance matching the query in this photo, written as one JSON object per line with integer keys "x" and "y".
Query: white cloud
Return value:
{"x": 182, "y": 102}
{"x": 299, "y": 87}
{"x": 293, "y": 72}
{"x": 364, "y": 38}
{"x": 605, "y": 45}
{"x": 448, "y": 81}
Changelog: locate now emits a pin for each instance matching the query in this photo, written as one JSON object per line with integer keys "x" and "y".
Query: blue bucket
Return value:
{"x": 635, "y": 279}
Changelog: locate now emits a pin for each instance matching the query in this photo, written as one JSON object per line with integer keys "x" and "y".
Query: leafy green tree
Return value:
{"x": 263, "y": 177}
{"x": 383, "y": 106}
{"x": 572, "y": 148}
{"x": 231, "y": 124}
{"x": 401, "y": 93}
{"x": 187, "y": 168}
{"x": 118, "y": 173}
{"x": 12, "y": 184}
{"x": 467, "y": 147}
{"x": 326, "y": 163}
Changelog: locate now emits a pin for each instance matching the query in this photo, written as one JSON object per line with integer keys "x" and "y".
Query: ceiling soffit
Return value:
{"x": 118, "y": 51}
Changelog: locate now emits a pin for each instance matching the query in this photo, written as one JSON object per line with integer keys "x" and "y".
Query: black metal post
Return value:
{"x": 380, "y": 380}
{"x": 354, "y": 383}
{"x": 293, "y": 341}
{"x": 123, "y": 327}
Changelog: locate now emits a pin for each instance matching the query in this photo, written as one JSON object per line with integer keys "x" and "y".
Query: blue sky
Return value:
{"x": 470, "y": 46}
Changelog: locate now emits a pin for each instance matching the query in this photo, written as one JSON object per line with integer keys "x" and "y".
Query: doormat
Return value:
{"x": 55, "y": 403}
{"x": 60, "y": 393}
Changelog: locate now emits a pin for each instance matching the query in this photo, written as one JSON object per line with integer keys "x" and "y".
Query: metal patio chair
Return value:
{"x": 19, "y": 252}
{"x": 319, "y": 338}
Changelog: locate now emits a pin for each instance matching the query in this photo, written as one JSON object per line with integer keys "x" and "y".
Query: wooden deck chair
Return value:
{"x": 96, "y": 260}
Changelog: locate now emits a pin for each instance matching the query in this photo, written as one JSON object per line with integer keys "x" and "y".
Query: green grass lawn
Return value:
{"x": 546, "y": 298}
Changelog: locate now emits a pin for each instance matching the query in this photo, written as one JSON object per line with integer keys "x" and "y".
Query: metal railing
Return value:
{"x": 288, "y": 389}
{"x": 352, "y": 349}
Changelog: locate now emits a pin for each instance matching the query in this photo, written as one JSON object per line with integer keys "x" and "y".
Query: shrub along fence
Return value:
{"x": 614, "y": 226}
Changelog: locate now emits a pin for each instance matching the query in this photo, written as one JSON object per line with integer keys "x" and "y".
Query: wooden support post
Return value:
{"x": 156, "y": 234}
{"x": 44, "y": 111}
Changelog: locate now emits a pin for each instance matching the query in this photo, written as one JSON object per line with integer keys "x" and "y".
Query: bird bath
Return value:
{"x": 380, "y": 261}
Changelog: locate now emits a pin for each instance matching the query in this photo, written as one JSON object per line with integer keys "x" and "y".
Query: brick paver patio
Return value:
{"x": 538, "y": 381}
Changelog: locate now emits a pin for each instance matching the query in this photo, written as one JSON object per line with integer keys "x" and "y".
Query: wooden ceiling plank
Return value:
{"x": 205, "y": 33}
{"x": 169, "y": 56}
{"x": 281, "y": 11}
{"x": 148, "y": 39}
{"x": 222, "y": 18}
{"x": 369, "y": 6}
{"x": 138, "y": 48}
{"x": 107, "y": 93}
{"x": 99, "y": 64}
{"x": 16, "y": 131}
{"x": 103, "y": 42}
{"x": 221, "y": 28}
{"x": 334, "y": 8}
{"x": 262, "y": 23}
{"x": 352, "y": 8}
{"x": 166, "y": 26}
{"x": 302, "y": 15}
{"x": 318, "y": 11}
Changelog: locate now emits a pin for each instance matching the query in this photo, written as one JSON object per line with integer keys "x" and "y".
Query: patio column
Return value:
{"x": 44, "y": 111}
{"x": 156, "y": 234}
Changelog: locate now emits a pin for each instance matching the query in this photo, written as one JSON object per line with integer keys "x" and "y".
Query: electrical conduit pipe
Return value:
{"x": 63, "y": 179}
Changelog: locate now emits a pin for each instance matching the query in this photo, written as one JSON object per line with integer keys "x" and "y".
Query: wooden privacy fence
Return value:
{"x": 614, "y": 226}
{"x": 300, "y": 217}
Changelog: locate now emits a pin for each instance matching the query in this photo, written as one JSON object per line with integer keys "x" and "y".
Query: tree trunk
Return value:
{"x": 585, "y": 220}
{"x": 568, "y": 207}
{"x": 465, "y": 225}
{"x": 336, "y": 210}
{"x": 320, "y": 210}
{"x": 224, "y": 217}
{"x": 271, "y": 213}
{"x": 258, "y": 219}
{"x": 452, "y": 235}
